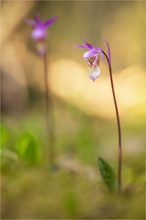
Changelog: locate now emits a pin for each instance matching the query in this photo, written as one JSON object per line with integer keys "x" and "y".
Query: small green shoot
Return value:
{"x": 28, "y": 149}
{"x": 107, "y": 174}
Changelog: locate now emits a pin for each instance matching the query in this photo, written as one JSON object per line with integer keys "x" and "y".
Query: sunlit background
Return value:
{"x": 85, "y": 123}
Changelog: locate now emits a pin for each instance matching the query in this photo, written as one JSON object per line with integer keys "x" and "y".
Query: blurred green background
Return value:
{"x": 85, "y": 125}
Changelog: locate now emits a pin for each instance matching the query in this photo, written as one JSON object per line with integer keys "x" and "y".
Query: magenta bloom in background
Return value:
{"x": 92, "y": 56}
{"x": 39, "y": 33}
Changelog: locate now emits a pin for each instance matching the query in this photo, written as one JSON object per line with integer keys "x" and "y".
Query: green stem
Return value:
{"x": 118, "y": 126}
{"x": 49, "y": 113}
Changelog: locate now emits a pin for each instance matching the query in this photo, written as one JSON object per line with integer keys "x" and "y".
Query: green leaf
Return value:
{"x": 28, "y": 149}
{"x": 4, "y": 136}
{"x": 71, "y": 204}
{"x": 107, "y": 174}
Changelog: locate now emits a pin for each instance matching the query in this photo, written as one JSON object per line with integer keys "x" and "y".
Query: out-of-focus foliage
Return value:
{"x": 28, "y": 148}
{"x": 5, "y": 135}
{"x": 67, "y": 192}
{"x": 71, "y": 204}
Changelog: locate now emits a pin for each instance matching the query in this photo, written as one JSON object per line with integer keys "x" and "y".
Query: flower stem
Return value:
{"x": 49, "y": 113}
{"x": 118, "y": 125}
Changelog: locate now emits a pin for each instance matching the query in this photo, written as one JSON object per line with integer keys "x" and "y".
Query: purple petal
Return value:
{"x": 100, "y": 52}
{"x": 39, "y": 34}
{"x": 87, "y": 43}
{"x": 50, "y": 22}
{"x": 89, "y": 46}
{"x": 109, "y": 51}
{"x": 90, "y": 53}
{"x": 31, "y": 22}
{"x": 81, "y": 46}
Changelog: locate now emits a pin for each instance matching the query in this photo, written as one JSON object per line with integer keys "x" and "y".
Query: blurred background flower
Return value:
{"x": 39, "y": 33}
